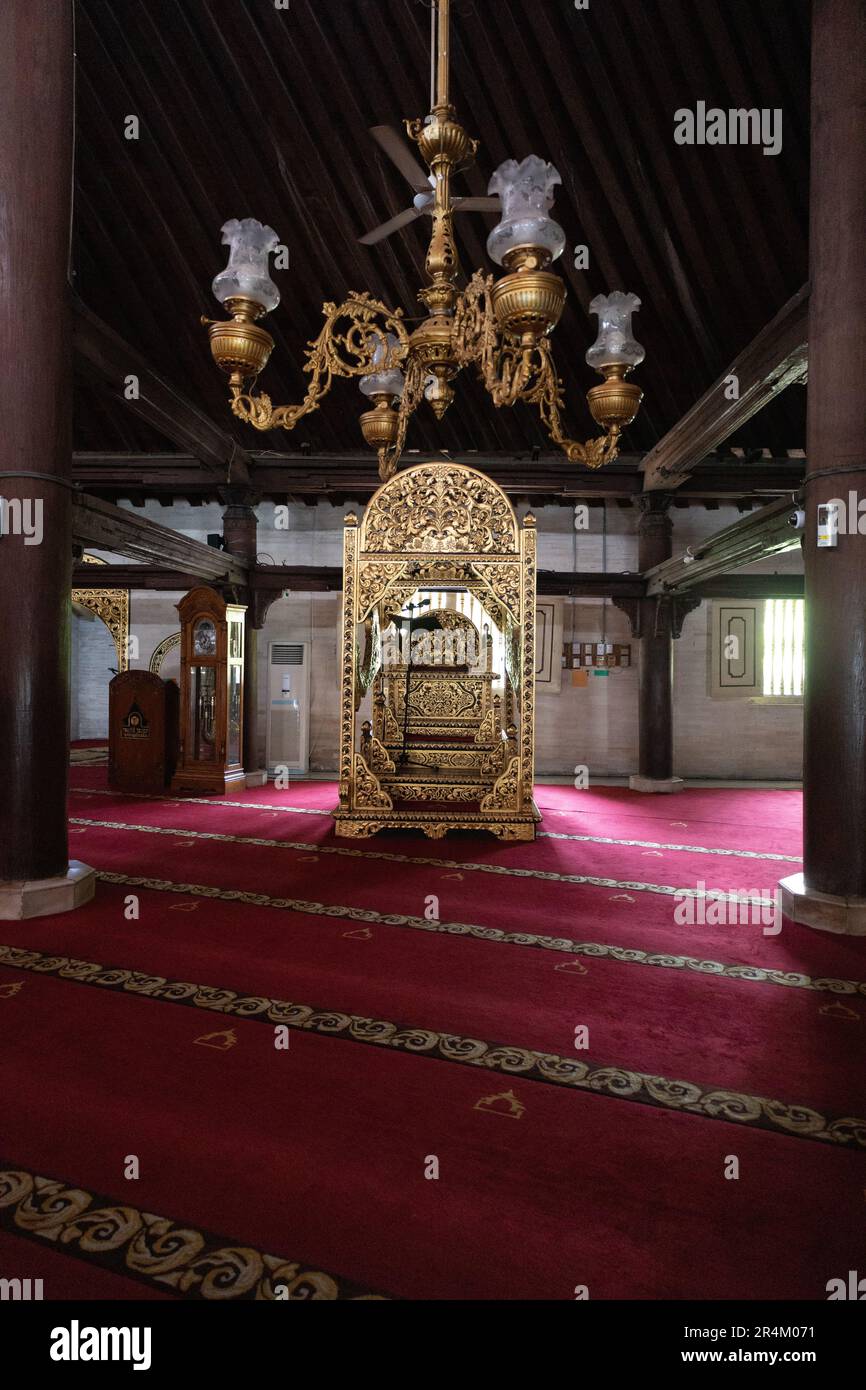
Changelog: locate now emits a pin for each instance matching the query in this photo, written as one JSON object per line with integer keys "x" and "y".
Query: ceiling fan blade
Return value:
{"x": 476, "y": 204}
{"x": 380, "y": 233}
{"x": 391, "y": 141}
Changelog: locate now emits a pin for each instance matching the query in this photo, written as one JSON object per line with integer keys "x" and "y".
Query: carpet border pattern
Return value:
{"x": 685, "y": 1097}
{"x": 140, "y": 1245}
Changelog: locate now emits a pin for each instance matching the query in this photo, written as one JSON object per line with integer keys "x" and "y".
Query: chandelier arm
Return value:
{"x": 547, "y": 395}
{"x": 332, "y": 354}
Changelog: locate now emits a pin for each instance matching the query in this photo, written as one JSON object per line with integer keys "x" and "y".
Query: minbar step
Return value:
{"x": 426, "y": 784}
{"x": 450, "y": 757}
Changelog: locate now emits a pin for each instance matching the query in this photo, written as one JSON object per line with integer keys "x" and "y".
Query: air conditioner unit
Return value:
{"x": 288, "y": 736}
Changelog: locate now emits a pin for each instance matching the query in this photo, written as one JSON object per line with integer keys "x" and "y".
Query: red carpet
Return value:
{"x": 704, "y": 1041}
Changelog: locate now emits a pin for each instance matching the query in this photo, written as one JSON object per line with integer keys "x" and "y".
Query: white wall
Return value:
{"x": 92, "y": 657}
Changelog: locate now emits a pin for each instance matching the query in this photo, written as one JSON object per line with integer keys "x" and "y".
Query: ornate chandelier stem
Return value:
{"x": 443, "y": 64}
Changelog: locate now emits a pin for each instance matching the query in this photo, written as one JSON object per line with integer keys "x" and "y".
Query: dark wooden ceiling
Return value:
{"x": 246, "y": 110}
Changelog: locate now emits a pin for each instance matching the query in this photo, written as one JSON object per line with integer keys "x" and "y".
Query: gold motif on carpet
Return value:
{"x": 222, "y": 1042}
{"x": 505, "y": 1103}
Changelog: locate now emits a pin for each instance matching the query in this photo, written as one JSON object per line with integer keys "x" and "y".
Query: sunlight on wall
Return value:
{"x": 784, "y": 622}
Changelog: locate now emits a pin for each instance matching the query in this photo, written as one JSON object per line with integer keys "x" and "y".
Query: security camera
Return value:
{"x": 689, "y": 558}
{"x": 797, "y": 519}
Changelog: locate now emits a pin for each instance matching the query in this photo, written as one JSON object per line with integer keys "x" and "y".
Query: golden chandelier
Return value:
{"x": 501, "y": 326}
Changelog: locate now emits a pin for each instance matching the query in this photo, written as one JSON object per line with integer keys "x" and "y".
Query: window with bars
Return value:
{"x": 783, "y": 647}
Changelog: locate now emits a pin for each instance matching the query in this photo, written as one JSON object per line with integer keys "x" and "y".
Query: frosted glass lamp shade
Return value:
{"x": 247, "y": 274}
{"x": 616, "y": 345}
{"x": 383, "y": 383}
{"x": 526, "y": 193}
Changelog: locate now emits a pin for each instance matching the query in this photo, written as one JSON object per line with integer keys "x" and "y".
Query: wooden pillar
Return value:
{"x": 36, "y": 122}
{"x": 240, "y": 524}
{"x": 655, "y": 698}
{"x": 240, "y": 533}
{"x": 656, "y": 719}
{"x": 831, "y": 892}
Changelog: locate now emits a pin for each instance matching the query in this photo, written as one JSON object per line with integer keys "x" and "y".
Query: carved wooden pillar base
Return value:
{"x": 656, "y": 785}
{"x": 42, "y": 897}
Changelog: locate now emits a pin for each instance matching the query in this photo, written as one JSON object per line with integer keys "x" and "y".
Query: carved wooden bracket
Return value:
{"x": 633, "y": 611}
{"x": 662, "y": 616}
{"x": 258, "y": 604}
{"x": 680, "y": 606}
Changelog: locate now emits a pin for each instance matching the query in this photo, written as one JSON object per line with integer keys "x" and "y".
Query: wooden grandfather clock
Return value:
{"x": 211, "y": 693}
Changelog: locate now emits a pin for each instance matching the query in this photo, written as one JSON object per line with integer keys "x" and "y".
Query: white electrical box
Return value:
{"x": 828, "y": 525}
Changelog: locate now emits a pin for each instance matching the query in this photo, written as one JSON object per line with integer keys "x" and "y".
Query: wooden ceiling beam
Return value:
{"x": 329, "y": 578}
{"x": 111, "y": 360}
{"x": 732, "y": 586}
{"x": 100, "y": 525}
{"x": 773, "y": 360}
{"x": 309, "y": 477}
{"x": 756, "y": 537}
{"x": 313, "y": 578}
{"x": 87, "y": 576}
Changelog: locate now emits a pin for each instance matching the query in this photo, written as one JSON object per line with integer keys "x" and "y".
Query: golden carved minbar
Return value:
{"x": 471, "y": 749}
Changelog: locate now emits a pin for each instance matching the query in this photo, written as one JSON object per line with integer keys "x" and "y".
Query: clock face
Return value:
{"x": 204, "y": 641}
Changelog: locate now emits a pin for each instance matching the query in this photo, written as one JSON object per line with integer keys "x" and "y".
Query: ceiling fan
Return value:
{"x": 391, "y": 142}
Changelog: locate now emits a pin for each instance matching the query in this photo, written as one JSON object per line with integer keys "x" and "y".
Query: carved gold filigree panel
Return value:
{"x": 506, "y": 792}
{"x": 527, "y": 657}
{"x": 378, "y": 758}
{"x": 369, "y": 795}
{"x": 487, "y": 728}
{"x": 348, "y": 660}
{"x": 375, "y": 579}
{"x": 503, "y": 581}
{"x": 448, "y": 618}
{"x": 437, "y": 791}
{"x": 431, "y": 697}
{"x": 112, "y": 607}
{"x": 440, "y": 507}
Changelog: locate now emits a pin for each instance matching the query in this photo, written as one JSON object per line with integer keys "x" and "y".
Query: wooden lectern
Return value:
{"x": 142, "y": 732}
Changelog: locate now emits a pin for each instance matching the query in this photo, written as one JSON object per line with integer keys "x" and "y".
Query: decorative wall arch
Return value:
{"x": 161, "y": 651}
{"x": 112, "y": 607}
